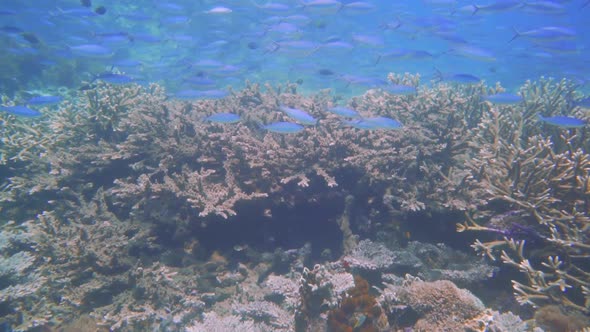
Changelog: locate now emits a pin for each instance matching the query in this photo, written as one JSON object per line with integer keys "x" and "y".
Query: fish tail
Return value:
{"x": 516, "y": 35}
{"x": 542, "y": 118}
{"x": 475, "y": 10}
{"x": 378, "y": 59}
{"x": 438, "y": 76}
{"x": 259, "y": 124}
{"x": 313, "y": 51}
{"x": 276, "y": 47}
{"x": 302, "y": 4}
{"x": 56, "y": 12}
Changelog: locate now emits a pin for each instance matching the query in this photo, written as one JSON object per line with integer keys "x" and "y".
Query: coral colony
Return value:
{"x": 109, "y": 199}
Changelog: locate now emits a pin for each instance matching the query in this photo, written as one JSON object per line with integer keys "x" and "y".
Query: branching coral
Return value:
{"x": 86, "y": 264}
{"x": 424, "y": 167}
{"x": 544, "y": 172}
{"x": 154, "y": 149}
{"x": 114, "y": 153}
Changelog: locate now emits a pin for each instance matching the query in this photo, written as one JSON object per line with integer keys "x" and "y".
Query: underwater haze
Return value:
{"x": 305, "y": 165}
{"x": 345, "y": 45}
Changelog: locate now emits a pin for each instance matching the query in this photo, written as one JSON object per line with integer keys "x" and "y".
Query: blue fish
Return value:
{"x": 472, "y": 52}
{"x": 503, "y": 98}
{"x": 43, "y": 100}
{"x": 127, "y": 63}
{"x": 459, "y": 78}
{"x": 213, "y": 94}
{"x": 379, "y": 122}
{"x": 344, "y": 111}
{"x": 546, "y": 33}
{"x": 21, "y": 110}
{"x": 299, "y": 115}
{"x": 496, "y": 7}
{"x": 404, "y": 54}
{"x": 463, "y": 78}
{"x": 223, "y": 118}
{"x": 563, "y": 121}
{"x": 360, "y": 124}
{"x": 91, "y": 50}
{"x": 283, "y": 127}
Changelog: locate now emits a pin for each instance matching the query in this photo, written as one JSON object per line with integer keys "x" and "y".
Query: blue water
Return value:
{"x": 188, "y": 45}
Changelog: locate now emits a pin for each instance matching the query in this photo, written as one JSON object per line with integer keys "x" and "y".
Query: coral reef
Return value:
{"x": 155, "y": 150}
{"x": 440, "y": 305}
{"x": 319, "y": 291}
{"x": 535, "y": 180}
{"x": 214, "y": 322}
{"x": 103, "y": 198}
{"x": 552, "y": 318}
{"x": 87, "y": 260}
{"x": 427, "y": 261}
{"x": 358, "y": 311}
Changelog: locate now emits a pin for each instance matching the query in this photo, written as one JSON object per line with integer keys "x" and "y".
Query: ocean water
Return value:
{"x": 312, "y": 165}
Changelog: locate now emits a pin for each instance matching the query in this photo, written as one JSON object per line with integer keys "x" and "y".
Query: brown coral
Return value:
{"x": 441, "y": 305}
{"x": 358, "y": 311}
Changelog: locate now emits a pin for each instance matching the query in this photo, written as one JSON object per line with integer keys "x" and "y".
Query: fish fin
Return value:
{"x": 276, "y": 45}
{"x": 516, "y": 35}
{"x": 312, "y": 51}
{"x": 259, "y": 124}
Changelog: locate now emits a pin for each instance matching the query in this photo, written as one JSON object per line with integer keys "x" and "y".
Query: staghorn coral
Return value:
{"x": 85, "y": 262}
{"x": 115, "y": 161}
{"x": 543, "y": 172}
{"x": 145, "y": 149}
{"x": 424, "y": 168}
